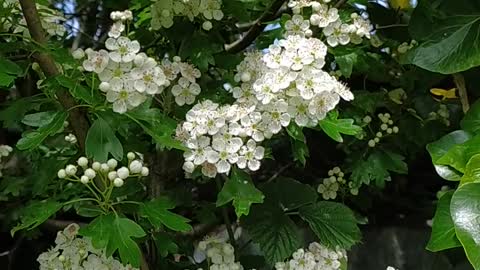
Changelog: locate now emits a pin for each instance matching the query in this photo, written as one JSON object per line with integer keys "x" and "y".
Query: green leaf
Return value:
{"x": 296, "y": 132}
{"x": 451, "y": 46}
{"x": 101, "y": 141}
{"x": 240, "y": 189}
{"x": 333, "y": 223}
{"x": 165, "y": 244}
{"x": 346, "y": 63}
{"x": 39, "y": 119}
{"x": 300, "y": 151}
{"x": 298, "y": 194}
{"x": 35, "y": 138}
{"x": 471, "y": 121}
{"x": 274, "y": 231}
{"x": 9, "y": 67}
{"x": 6, "y": 79}
{"x": 333, "y": 126}
{"x": 157, "y": 213}
{"x": 465, "y": 211}
{"x": 439, "y": 148}
{"x": 443, "y": 230}
{"x": 35, "y": 214}
{"x": 376, "y": 168}
{"x": 76, "y": 89}
{"x": 367, "y": 101}
{"x": 459, "y": 155}
{"x": 472, "y": 170}
{"x": 116, "y": 233}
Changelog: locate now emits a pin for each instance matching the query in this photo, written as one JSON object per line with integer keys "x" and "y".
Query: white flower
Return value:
{"x": 253, "y": 126}
{"x": 122, "y": 49}
{"x": 276, "y": 116}
{"x": 328, "y": 189}
{"x": 148, "y": 77}
{"x": 209, "y": 170}
{"x": 185, "y": 91}
{"x": 116, "y": 30}
{"x": 116, "y": 73}
{"x": 198, "y": 150}
{"x": 250, "y": 156}
{"x": 298, "y": 110}
{"x": 96, "y": 61}
{"x": 222, "y": 155}
{"x": 337, "y": 33}
{"x": 322, "y": 103}
{"x": 323, "y": 16}
{"x": 297, "y": 25}
{"x": 189, "y": 72}
{"x": 78, "y": 54}
{"x": 125, "y": 98}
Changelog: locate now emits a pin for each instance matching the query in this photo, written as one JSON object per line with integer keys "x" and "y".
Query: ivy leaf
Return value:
{"x": 346, "y": 63}
{"x": 101, "y": 141}
{"x": 116, "y": 233}
{"x": 443, "y": 230}
{"x": 35, "y": 214}
{"x": 240, "y": 189}
{"x": 333, "y": 223}
{"x": 439, "y": 148}
{"x": 274, "y": 231}
{"x": 471, "y": 121}
{"x": 333, "y": 126}
{"x": 157, "y": 213}
{"x": 298, "y": 194}
{"x": 465, "y": 212}
{"x": 35, "y": 138}
{"x": 448, "y": 48}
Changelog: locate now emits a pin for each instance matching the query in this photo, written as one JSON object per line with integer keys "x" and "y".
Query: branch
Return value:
{"x": 462, "y": 91}
{"x": 339, "y": 3}
{"x": 256, "y": 29}
{"x": 78, "y": 120}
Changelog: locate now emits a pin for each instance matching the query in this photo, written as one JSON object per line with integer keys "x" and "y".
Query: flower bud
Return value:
{"x": 315, "y": 19}
{"x": 71, "y": 170}
{"x": 371, "y": 143}
{"x": 104, "y": 167}
{"x": 96, "y": 166}
{"x": 395, "y": 129}
{"x": 131, "y": 155}
{"x": 82, "y": 162}
{"x": 112, "y": 175}
{"x": 207, "y": 26}
{"x": 112, "y": 163}
{"x": 84, "y": 179}
{"x": 61, "y": 174}
{"x": 104, "y": 86}
{"x": 377, "y": 140}
{"x": 90, "y": 173}
{"x": 118, "y": 182}
{"x": 135, "y": 167}
{"x": 145, "y": 171}
{"x": 123, "y": 173}
{"x": 78, "y": 54}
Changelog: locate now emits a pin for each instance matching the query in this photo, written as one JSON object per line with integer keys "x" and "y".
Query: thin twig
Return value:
{"x": 256, "y": 29}
{"x": 391, "y": 26}
{"x": 78, "y": 120}
{"x": 273, "y": 177}
{"x": 462, "y": 91}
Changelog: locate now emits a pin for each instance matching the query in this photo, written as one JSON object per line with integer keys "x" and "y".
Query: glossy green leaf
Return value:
{"x": 333, "y": 223}
{"x": 240, "y": 189}
{"x": 35, "y": 138}
{"x": 334, "y": 127}
{"x": 346, "y": 63}
{"x": 274, "y": 231}
{"x": 296, "y": 132}
{"x": 439, "y": 148}
{"x": 35, "y": 214}
{"x": 39, "y": 119}
{"x": 471, "y": 120}
{"x": 472, "y": 170}
{"x": 157, "y": 212}
{"x": 9, "y": 67}
{"x": 465, "y": 209}
{"x": 116, "y": 233}
{"x": 459, "y": 155}
{"x": 6, "y": 79}
{"x": 101, "y": 141}
{"x": 443, "y": 230}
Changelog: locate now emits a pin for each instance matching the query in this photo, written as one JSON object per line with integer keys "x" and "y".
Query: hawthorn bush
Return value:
{"x": 236, "y": 134}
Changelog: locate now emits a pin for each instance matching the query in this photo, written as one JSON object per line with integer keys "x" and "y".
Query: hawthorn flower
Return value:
{"x": 148, "y": 77}
{"x": 297, "y": 25}
{"x": 116, "y": 30}
{"x": 96, "y": 61}
{"x": 122, "y": 49}
{"x": 223, "y": 154}
{"x": 323, "y": 15}
{"x": 253, "y": 126}
{"x": 322, "y": 103}
{"x": 185, "y": 91}
{"x": 199, "y": 148}
{"x": 275, "y": 116}
{"x": 189, "y": 72}
{"x": 250, "y": 156}
{"x": 125, "y": 98}
{"x": 298, "y": 110}
{"x": 337, "y": 33}
{"x": 116, "y": 72}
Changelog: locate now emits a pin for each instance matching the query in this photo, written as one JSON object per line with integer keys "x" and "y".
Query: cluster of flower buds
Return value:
{"x": 71, "y": 138}
{"x": 125, "y": 15}
{"x": 73, "y": 252}
{"x": 442, "y": 114}
{"x": 5, "y": 151}
{"x": 387, "y": 127}
{"x": 316, "y": 257}
{"x": 104, "y": 171}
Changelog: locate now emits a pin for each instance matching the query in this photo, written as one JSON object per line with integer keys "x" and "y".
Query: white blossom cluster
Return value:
{"x": 221, "y": 255}
{"x": 164, "y": 12}
{"x": 129, "y": 76}
{"x": 5, "y": 151}
{"x": 104, "y": 171}
{"x": 72, "y": 252}
{"x": 326, "y": 17}
{"x": 387, "y": 127}
{"x": 331, "y": 185}
{"x": 51, "y": 20}
{"x": 317, "y": 257}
